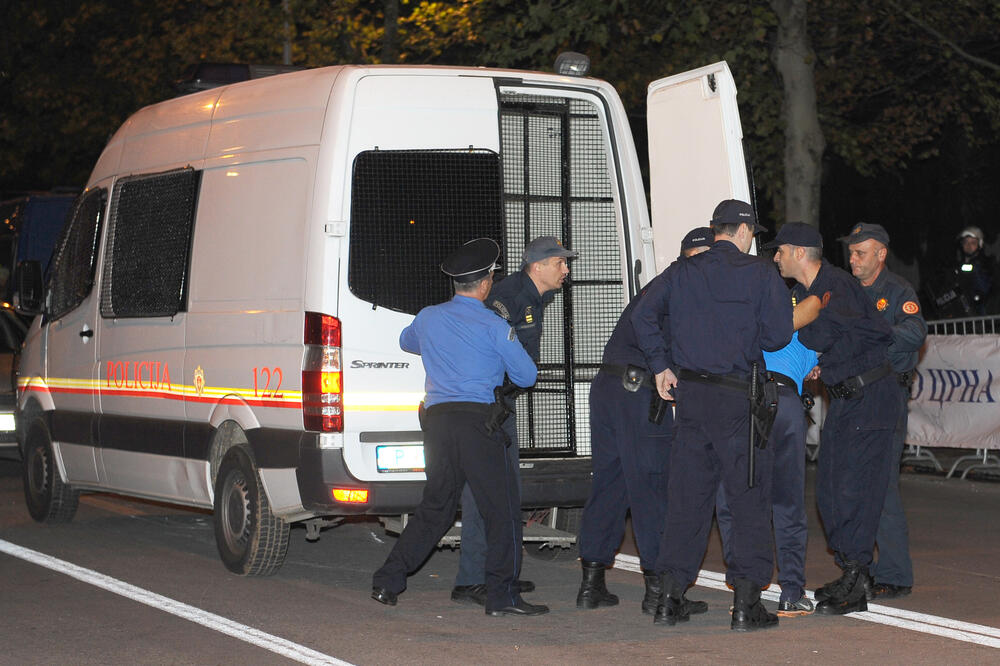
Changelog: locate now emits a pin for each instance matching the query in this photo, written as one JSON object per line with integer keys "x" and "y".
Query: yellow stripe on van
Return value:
{"x": 383, "y": 401}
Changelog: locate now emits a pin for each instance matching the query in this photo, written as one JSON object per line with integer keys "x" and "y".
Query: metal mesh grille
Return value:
{"x": 557, "y": 182}
{"x": 72, "y": 273}
{"x": 146, "y": 262}
{"x": 409, "y": 210}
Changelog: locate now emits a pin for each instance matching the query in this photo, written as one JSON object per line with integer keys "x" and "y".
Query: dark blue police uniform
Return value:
{"x": 852, "y": 471}
{"x": 630, "y": 453}
{"x": 897, "y": 301}
{"x": 466, "y": 350}
{"x": 516, "y": 299}
{"x": 710, "y": 317}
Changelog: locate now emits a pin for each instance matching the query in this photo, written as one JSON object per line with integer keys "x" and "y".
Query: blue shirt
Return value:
{"x": 622, "y": 347}
{"x": 714, "y": 313}
{"x": 466, "y": 349}
{"x": 794, "y": 360}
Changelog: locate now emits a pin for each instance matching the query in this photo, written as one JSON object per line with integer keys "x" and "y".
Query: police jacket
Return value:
{"x": 466, "y": 349}
{"x": 974, "y": 275}
{"x": 714, "y": 313}
{"x": 623, "y": 348}
{"x": 516, "y": 299}
{"x": 897, "y": 301}
{"x": 849, "y": 333}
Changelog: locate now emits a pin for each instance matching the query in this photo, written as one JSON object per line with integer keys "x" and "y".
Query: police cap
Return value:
{"x": 544, "y": 247}
{"x": 796, "y": 233}
{"x": 731, "y": 211}
{"x": 863, "y": 231}
{"x": 474, "y": 260}
{"x": 698, "y": 237}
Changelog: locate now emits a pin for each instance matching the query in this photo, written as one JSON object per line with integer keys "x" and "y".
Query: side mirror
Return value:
{"x": 29, "y": 288}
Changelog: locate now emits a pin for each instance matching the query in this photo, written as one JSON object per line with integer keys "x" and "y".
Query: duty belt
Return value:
{"x": 727, "y": 381}
{"x": 851, "y": 387}
{"x": 783, "y": 380}
{"x": 632, "y": 376}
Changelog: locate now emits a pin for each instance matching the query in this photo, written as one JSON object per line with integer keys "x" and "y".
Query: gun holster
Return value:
{"x": 763, "y": 407}
{"x": 504, "y": 398}
{"x": 657, "y": 407}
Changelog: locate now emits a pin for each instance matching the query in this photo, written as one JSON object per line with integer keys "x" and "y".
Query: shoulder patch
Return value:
{"x": 510, "y": 334}
{"x": 881, "y": 304}
{"x": 500, "y": 309}
{"x": 911, "y": 307}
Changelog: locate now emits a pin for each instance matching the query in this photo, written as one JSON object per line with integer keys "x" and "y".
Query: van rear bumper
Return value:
{"x": 545, "y": 482}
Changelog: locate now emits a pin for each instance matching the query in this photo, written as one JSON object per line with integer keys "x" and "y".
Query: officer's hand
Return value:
{"x": 665, "y": 381}
{"x": 813, "y": 374}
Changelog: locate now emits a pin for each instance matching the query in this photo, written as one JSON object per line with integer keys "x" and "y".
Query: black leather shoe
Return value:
{"x": 384, "y": 596}
{"x": 695, "y": 607}
{"x": 890, "y": 591}
{"x": 522, "y": 607}
{"x": 469, "y": 594}
{"x": 525, "y": 586}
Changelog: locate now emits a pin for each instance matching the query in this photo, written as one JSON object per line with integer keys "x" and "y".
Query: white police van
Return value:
{"x": 220, "y": 326}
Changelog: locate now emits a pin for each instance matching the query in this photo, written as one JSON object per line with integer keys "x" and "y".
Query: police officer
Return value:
{"x": 853, "y": 469}
{"x": 896, "y": 300}
{"x": 630, "y": 436}
{"x": 974, "y": 272}
{"x": 700, "y": 329}
{"x": 787, "y": 367}
{"x": 465, "y": 350}
{"x": 696, "y": 241}
{"x": 520, "y": 299}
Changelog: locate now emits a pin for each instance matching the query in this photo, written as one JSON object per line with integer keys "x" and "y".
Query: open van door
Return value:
{"x": 695, "y": 153}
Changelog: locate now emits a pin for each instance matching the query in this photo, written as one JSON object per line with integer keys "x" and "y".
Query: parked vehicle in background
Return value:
{"x": 29, "y": 227}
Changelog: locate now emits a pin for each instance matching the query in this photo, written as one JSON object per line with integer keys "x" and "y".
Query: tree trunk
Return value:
{"x": 804, "y": 143}
{"x": 390, "y": 35}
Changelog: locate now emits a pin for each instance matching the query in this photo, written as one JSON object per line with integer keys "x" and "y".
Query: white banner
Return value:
{"x": 955, "y": 393}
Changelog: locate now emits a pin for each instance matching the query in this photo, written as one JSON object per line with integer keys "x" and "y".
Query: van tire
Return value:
{"x": 251, "y": 540}
{"x": 49, "y": 500}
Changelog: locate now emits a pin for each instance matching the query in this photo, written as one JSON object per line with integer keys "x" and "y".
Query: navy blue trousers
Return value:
{"x": 788, "y": 504}
{"x": 711, "y": 437}
{"x": 893, "y": 565}
{"x": 458, "y": 448}
{"x": 472, "y": 553}
{"x": 630, "y": 456}
{"x": 852, "y": 471}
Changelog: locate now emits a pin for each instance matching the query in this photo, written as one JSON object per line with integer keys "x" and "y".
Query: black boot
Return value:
{"x": 749, "y": 613}
{"x": 653, "y": 593}
{"x": 673, "y": 607}
{"x": 850, "y": 594}
{"x": 835, "y": 588}
{"x": 593, "y": 592}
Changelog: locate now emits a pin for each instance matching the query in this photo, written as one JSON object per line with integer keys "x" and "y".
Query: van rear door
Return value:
{"x": 695, "y": 153}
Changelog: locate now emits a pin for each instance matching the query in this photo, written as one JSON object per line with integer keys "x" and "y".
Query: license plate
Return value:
{"x": 399, "y": 458}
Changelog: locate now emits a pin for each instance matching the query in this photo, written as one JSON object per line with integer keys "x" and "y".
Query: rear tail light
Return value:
{"x": 322, "y": 380}
{"x": 350, "y": 495}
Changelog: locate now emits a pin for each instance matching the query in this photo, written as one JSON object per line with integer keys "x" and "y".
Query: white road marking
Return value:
{"x": 894, "y": 617}
{"x": 242, "y": 632}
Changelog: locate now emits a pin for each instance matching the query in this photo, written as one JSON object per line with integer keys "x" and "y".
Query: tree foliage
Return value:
{"x": 896, "y": 81}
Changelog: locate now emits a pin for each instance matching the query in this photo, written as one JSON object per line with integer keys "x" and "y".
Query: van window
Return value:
{"x": 75, "y": 256}
{"x": 149, "y": 245}
{"x": 409, "y": 210}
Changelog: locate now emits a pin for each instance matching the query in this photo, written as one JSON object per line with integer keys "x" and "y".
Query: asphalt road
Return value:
{"x": 137, "y": 582}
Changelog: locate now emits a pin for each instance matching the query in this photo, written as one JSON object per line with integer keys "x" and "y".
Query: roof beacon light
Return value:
{"x": 571, "y": 63}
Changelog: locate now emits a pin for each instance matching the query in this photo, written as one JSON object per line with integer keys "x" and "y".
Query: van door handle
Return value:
{"x": 86, "y": 333}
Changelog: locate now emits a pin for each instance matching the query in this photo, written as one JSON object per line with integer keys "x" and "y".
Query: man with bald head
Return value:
{"x": 896, "y": 300}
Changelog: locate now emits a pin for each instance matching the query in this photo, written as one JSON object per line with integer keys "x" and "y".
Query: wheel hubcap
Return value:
{"x": 236, "y": 513}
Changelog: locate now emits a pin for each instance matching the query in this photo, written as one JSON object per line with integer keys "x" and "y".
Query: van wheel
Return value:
{"x": 49, "y": 500}
{"x": 252, "y": 541}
